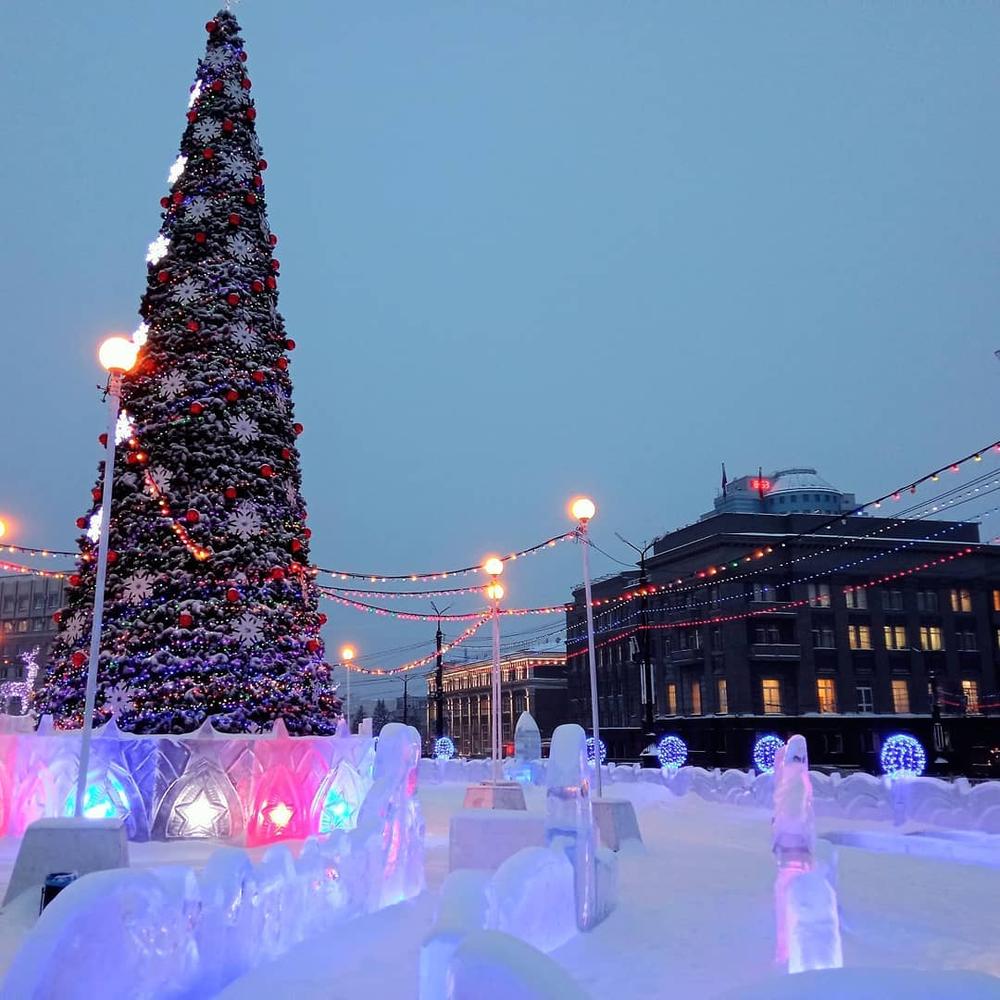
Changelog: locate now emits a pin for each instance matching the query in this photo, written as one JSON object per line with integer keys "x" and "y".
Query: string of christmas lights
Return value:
{"x": 9, "y": 567}
{"x": 40, "y": 553}
{"x": 424, "y": 660}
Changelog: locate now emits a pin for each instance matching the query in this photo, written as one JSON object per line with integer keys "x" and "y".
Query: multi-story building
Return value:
{"x": 27, "y": 604}
{"x": 529, "y": 682}
{"x": 843, "y": 628}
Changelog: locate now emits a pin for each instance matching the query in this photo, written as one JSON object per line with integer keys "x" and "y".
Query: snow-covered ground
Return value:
{"x": 695, "y": 916}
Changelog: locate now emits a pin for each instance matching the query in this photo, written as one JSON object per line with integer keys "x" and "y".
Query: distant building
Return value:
{"x": 795, "y": 641}
{"x": 27, "y": 604}
{"x": 529, "y": 682}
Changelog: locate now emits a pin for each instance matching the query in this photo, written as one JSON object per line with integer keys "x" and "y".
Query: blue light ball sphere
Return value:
{"x": 444, "y": 748}
{"x": 903, "y": 756}
{"x": 672, "y": 751}
{"x": 590, "y": 750}
{"x": 764, "y": 752}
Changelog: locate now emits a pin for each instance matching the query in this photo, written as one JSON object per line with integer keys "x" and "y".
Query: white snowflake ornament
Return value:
{"x": 240, "y": 247}
{"x": 291, "y": 494}
{"x": 124, "y": 427}
{"x": 197, "y": 209}
{"x": 245, "y": 521}
{"x": 248, "y": 629}
{"x": 243, "y": 336}
{"x": 218, "y": 58}
{"x": 172, "y": 385}
{"x": 75, "y": 627}
{"x": 244, "y": 429}
{"x": 235, "y": 92}
{"x": 176, "y": 169}
{"x": 205, "y": 130}
{"x": 157, "y": 250}
{"x": 94, "y": 525}
{"x": 138, "y": 587}
{"x": 119, "y": 700}
{"x": 186, "y": 291}
{"x": 237, "y": 169}
{"x": 160, "y": 477}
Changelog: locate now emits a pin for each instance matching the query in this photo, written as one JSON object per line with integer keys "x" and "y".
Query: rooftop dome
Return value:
{"x": 787, "y": 480}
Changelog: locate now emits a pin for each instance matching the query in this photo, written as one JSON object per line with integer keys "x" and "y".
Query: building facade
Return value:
{"x": 844, "y": 628}
{"x": 529, "y": 682}
{"x": 27, "y": 604}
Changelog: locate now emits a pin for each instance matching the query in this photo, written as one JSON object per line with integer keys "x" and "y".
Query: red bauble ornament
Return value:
{"x": 312, "y": 645}
{"x": 196, "y": 408}
{"x": 273, "y": 240}
{"x": 211, "y": 26}
{"x": 243, "y": 57}
{"x": 275, "y": 264}
{"x": 289, "y": 344}
{"x": 96, "y": 493}
{"x": 74, "y": 580}
{"x": 307, "y": 532}
{"x": 227, "y": 125}
{"x": 234, "y": 219}
{"x": 232, "y": 395}
{"x": 230, "y": 493}
{"x": 245, "y": 83}
{"x": 103, "y": 438}
{"x": 262, "y": 164}
{"x": 163, "y": 277}
{"x": 192, "y": 516}
{"x": 258, "y": 377}
{"x": 233, "y": 299}
{"x": 81, "y": 523}
{"x": 258, "y": 181}
{"x": 298, "y": 428}
{"x": 112, "y": 557}
{"x": 200, "y": 237}
{"x": 257, "y": 285}
{"x": 57, "y": 617}
{"x": 281, "y": 363}
{"x": 277, "y": 573}
{"x": 266, "y": 471}
{"x": 286, "y": 453}
{"x": 164, "y": 202}
{"x": 251, "y": 114}
{"x": 192, "y": 116}
{"x": 232, "y": 595}
{"x": 216, "y": 86}
{"x": 193, "y": 325}
{"x": 322, "y": 618}
{"x": 271, "y": 282}
{"x": 250, "y": 198}
{"x": 184, "y": 620}
{"x": 130, "y": 458}
{"x": 295, "y": 545}
{"x": 208, "y": 152}
{"x": 177, "y": 197}
{"x": 78, "y": 659}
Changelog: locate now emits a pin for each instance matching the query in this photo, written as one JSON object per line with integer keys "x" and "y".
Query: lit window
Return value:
{"x": 826, "y": 694}
{"x": 857, "y": 598}
{"x": 819, "y": 595}
{"x": 771, "y": 689}
{"x": 895, "y": 637}
{"x": 723, "y": 693}
{"x": 671, "y": 699}
{"x": 859, "y": 636}
{"x": 865, "y": 701}
{"x": 696, "y": 697}
{"x": 996, "y": 600}
{"x": 900, "y": 696}
{"x": 930, "y": 638}
{"x": 970, "y": 691}
{"x": 961, "y": 600}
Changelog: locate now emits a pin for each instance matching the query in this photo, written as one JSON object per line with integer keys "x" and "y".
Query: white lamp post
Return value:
{"x": 346, "y": 655}
{"x": 494, "y": 593}
{"x": 582, "y": 510}
{"x": 117, "y": 355}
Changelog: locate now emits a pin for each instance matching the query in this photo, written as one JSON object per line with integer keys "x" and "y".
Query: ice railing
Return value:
{"x": 173, "y": 932}
{"x": 956, "y": 804}
{"x": 248, "y": 788}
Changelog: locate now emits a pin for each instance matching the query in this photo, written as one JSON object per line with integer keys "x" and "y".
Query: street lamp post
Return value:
{"x": 346, "y": 655}
{"x": 117, "y": 355}
{"x": 494, "y": 593}
{"x": 583, "y": 509}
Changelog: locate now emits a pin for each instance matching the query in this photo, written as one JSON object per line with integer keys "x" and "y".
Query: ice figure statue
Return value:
{"x": 527, "y": 739}
{"x": 813, "y": 924}
{"x": 390, "y": 823}
{"x": 793, "y": 835}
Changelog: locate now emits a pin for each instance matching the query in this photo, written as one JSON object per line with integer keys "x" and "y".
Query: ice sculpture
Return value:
{"x": 527, "y": 739}
{"x": 813, "y": 924}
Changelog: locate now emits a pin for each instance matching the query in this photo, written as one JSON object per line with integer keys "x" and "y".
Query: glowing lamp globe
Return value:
{"x": 764, "y": 752}
{"x": 602, "y": 748}
{"x": 118, "y": 354}
{"x": 3, "y": 528}
{"x": 444, "y": 748}
{"x": 672, "y": 752}
{"x": 347, "y": 653}
{"x": 493, "y": 566}
{"x": 903, "y": 756}
{"x": 495, "y": 591}
{"x": 582, "y": 508}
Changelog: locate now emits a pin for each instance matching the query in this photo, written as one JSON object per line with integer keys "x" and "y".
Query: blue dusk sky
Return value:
{"x": 529, "y": 248}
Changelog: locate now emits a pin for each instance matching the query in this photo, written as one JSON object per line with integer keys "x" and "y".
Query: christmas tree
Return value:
{"x": 211, "y": 610}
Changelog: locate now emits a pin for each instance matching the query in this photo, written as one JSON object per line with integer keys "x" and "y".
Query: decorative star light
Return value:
{"x": 124, "y": 427}
{"x": 157, "y": 250}
{"x": 94, "y": 525}
{"x": 141, "y": 334}
{"x": 177, "y": 168}
{"x": 280, "y": 815}
{"x": 200, "y": 815}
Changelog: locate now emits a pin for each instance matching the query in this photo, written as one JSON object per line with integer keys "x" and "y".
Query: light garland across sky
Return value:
{"x": 424, "y": 660}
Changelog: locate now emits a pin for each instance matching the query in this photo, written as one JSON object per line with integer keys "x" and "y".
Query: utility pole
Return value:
{"x": 406, "y": 698}
{"x": 645, "y": 662}
{"x": 439, "y": 677}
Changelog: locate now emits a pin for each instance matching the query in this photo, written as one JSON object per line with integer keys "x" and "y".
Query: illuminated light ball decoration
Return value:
{"x": 602, "y": 747}
{"x": 444, "y": 748}
{"x": 673, "y": 752}
{"x": 764, "y": 752}
{"x": 903, "y": 756}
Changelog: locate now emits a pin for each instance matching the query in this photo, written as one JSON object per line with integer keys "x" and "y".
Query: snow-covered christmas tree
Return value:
{"x": 211, "y": 611}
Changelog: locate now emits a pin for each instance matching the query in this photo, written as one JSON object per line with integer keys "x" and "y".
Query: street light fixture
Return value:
{"x": 117, "y": 355}
{"x": 582, "y": 510}
{"x": 346, "y": 655}
{"x": 494, "y": 594}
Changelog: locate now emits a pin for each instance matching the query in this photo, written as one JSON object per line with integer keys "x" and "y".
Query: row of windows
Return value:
{"x": 826, "y": 696}
{"x": 28, "y": 602}
{"x": 856, "y": 598}
{"x": 25, "y": 625}
{"x": 895, "y": 637}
